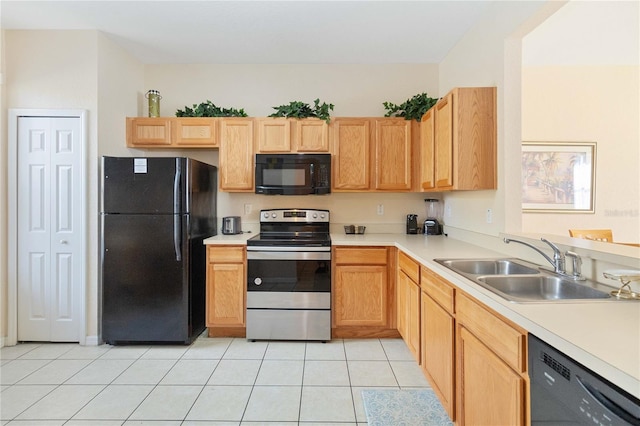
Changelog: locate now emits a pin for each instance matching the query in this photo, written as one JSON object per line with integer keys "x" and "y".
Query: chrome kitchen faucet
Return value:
{"x": 558, "y": 261}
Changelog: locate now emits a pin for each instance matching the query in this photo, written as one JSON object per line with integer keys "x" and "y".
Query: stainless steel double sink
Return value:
{"x": 518, "y": 281}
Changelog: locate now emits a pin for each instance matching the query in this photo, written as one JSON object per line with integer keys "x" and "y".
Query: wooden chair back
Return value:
{"x": 592, "y": 234}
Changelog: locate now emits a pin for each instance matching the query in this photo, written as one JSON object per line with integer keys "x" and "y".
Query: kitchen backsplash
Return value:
{"x": 345, "y": 208}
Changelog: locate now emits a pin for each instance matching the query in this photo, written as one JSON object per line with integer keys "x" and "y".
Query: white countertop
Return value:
{"x": 604, "y": 336}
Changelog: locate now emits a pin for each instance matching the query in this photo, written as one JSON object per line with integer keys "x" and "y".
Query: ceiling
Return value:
{"x": 266, "y": 32}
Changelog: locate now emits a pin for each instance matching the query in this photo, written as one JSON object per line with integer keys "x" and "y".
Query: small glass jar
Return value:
{"x": 154, "y": 102}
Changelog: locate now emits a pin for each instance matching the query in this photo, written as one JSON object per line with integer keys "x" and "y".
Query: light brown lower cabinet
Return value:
{"x": 491, "y": 376}
{"x": 408, "y": 302}
{"x": 474, "y": 359}
{"x": 438, "y": 344}
{"x": 490, "y": 392}
{"x": 363, "y": 293}
{"x": 225, "y": 296}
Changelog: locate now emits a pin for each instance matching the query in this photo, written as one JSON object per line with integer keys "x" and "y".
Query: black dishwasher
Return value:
{"x": 563, "y": 392}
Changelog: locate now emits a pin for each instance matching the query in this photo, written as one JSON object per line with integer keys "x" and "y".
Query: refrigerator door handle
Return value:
{"x": 177, "y": 196}
{"x": 177, "y": 218}
{"x": 177, "y": 237}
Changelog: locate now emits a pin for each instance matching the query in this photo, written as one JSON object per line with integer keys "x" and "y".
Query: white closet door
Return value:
{"x": 49, "y": 228}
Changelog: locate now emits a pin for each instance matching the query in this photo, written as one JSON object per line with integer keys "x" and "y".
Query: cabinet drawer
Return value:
{"x": 409, "y": 267}
{"x": 438, "y": 288}
{"x": 225, "y": 254}
{"x": 508, "y": 342}
{"x": 152, "y": 131}
{"x": 192, "y": 131}
{"x": 361, "y": 256}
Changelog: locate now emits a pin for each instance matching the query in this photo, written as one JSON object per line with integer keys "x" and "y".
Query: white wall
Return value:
{"x": 590, "y": 104}
{"x": 120, "y": 79}
{"x": 74, "y": 70}
{"x": 484, "y": 57}
{"x": 51, "y": 70}
{"x": 581, "y": 82}
{"x": 355, "y": 90}
{"x": 3, "y": 197}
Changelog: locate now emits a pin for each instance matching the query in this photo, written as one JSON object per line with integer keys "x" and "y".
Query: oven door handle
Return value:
{"x": 288, "y": 255}
{"x": 289, "y": 248}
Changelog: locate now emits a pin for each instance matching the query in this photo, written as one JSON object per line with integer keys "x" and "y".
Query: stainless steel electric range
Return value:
{"x": 289, "y": 276}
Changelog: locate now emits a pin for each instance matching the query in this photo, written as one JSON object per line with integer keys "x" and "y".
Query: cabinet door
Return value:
{"x": 489, "y": 392}
{"x": 311, "y": 135}
{"x": 393, "y": 154}
{"x": 225, "y": 294}
{"x": 474, "y": 138}
{"x": 352, "y": 154}
{"x": 437, "y": 351}
{"x": 444, "y": 142}
{"x": 427, "y": 147}
{"x": 360, "y": 295}
{"x": 408, "y": 313}
{"x": 402, "y": 305}
{"x": 413, "y": 321}
{"x": 236, "y": 155}
{"x": 148, "y": 132}
{"x": 196, "y": 132}
{"x": 274, "y": 135}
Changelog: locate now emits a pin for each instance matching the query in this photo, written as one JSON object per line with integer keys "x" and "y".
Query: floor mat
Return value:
{"x": 404, "y": 407}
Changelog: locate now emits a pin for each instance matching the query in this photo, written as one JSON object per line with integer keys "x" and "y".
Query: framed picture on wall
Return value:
{"x": 558, "y": 177}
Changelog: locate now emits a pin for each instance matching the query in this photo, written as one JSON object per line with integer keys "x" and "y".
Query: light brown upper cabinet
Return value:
{"x": 274, "y": 135}
{"x": 372, "y": 154}
{"x": 171, "y": 132}
{"x": 290, "y": 135}
{"x": 236, "y": 155}
{"x": 392, "y": 154}
{"x": 464, "y": 141}
{"x": 427, "y": 146}
{"x": 351, "y": 154}
{"x": 149, "y": 132}
{"x": 196, "y": 132}
{"x": 310, "y": 135}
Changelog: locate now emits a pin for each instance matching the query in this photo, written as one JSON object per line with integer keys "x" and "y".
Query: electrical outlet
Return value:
{"x": 489, "y": 216}
{"x": 448, "y": 210}
{"x": 380, "y": 209}
{"x": 247, "y": 209}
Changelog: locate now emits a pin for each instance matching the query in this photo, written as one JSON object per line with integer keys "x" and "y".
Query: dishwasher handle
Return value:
{"x": 610, "y": 405}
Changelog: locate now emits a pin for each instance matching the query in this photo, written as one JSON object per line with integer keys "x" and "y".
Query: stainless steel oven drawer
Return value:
{"x": 294, "y": 324}
{"x": 288, "y": 300}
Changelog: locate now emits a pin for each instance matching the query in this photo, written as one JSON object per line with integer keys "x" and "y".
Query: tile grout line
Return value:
{"x": 304, "y": 366}
{"x": 56, "y": 386}
{"x": 244, "y": 412}
{"x": 206, "y": 381}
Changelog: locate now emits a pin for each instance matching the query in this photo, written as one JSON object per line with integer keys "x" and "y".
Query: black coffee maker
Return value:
{"x": 433, "y": 224}
{"x": 412, "y": 224}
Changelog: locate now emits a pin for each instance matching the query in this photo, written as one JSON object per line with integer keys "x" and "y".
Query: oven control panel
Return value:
{"x": 294, "y": 215}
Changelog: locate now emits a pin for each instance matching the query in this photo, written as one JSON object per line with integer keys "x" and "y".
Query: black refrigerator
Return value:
{"x": 155, "y": 214}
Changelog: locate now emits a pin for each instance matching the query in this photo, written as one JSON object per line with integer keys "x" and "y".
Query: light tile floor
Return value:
{"x": 214, "y": 381}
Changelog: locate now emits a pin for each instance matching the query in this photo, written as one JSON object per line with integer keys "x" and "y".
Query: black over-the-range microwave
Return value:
{"x": 293, "y": 174}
